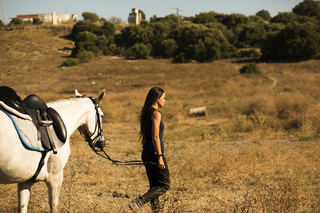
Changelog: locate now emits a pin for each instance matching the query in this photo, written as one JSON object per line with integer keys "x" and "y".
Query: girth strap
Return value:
{"x": 40, "y": 165}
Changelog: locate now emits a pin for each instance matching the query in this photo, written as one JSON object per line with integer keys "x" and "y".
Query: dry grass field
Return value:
{"x": 256, "y": 151}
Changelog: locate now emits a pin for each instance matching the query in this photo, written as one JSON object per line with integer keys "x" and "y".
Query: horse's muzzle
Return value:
{"x": 98, "y": 143}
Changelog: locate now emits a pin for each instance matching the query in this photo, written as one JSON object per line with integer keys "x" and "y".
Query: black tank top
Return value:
{"x": 149, "y": 144}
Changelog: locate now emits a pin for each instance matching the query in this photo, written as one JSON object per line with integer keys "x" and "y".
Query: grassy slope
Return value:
{"x": 257, "y": 149}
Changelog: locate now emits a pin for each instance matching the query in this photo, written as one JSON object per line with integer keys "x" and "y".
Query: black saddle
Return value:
{"x": 51, "y": 128}
{"x": 12, "y": 99}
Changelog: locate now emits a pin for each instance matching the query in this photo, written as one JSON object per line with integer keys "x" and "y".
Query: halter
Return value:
{"x": 96, "y": 143}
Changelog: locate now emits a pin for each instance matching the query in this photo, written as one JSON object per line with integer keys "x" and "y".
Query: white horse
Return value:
{"x": 18, "y": 164}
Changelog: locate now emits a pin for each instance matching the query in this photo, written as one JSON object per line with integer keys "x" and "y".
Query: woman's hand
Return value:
{"x": 161, "y": 163}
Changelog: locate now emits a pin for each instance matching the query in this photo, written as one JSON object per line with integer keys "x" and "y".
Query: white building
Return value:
{"x": 134, "y": 16}
{"x": 53, "y": 18}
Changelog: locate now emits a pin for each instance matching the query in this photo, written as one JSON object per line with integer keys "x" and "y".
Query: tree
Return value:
{"x": 169, "y": 19}
{"x": 297, "y": 42}
{"x": 264, "y": 14}
{"x": 234, "y": 20}
{"x": 102, "y": 20}
{"x": 310, "y": 8}
{"x": 284, "y": 17}
{"x": 1, "y": 23}
{"x": 109, "y": 30}
{"x": 201, "y": 44}
{"x": 224, "y": 29}
{"x": 85, "y": 41}
{"x": 251, "y": 35}
{"x": 168, "y": 47}
{"x": 158, "y": 33}
{"x": 88, "y": 26}
{"x": 143, "y": 16}
{"x": 204, "y": 18}
{"x": 115, "y": 20}
{"x": 133, "y": 34}
{"x": 90, "y": 16}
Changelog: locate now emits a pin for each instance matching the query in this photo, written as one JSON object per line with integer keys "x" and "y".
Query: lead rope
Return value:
{"x": 98, "y": 148}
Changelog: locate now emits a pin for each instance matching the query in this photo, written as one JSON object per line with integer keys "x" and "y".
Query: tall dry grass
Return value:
{"x": 256, "y": 151}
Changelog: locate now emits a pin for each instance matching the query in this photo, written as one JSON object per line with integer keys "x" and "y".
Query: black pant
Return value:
{"x": 159, "y": 179}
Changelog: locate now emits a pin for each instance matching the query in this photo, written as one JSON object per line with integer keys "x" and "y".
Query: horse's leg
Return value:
{"x": 24, "y": 195}
{"x": 54, "y": 183}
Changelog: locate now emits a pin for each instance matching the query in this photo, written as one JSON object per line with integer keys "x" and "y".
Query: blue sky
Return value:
{"x": 122, "y": 8}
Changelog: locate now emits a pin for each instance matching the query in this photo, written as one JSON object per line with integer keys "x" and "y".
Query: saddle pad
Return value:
{"x": 27, "y": 132}
{"x": 14, "y": 112}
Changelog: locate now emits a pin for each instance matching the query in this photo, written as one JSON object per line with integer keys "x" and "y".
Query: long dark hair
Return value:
{"x": 153, "y": 95}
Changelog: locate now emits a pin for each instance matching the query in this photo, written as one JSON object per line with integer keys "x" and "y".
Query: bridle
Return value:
{"x": 97, "y": 142}
{"x": 96, "y": 139}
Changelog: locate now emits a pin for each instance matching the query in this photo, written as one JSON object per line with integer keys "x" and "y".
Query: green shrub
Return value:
{"x": 181, "y": 58}
{"x": 16, "y": 21}
{"x": 85, "y": 56}
{"x": 70, "y": 62}
{"x": 86, "y": 37}
{"x": 251, "y": 53}
{"x": 140, "y": 51}
{"x": 250, "y": 69}
{"x": 85, "y": 46}
{"x": 113, "y": 49}
{"x": 168, "y": 47}
{"x": 36, "y": 21}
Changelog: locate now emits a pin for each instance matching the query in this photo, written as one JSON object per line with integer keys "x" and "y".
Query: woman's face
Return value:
{"x": 161, "y": 101}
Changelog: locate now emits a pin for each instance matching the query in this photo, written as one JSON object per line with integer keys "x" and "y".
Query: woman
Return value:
{"x": 151, "y": 134}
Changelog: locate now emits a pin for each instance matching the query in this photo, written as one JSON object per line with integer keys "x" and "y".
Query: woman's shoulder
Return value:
{"x": 156, "y": 114}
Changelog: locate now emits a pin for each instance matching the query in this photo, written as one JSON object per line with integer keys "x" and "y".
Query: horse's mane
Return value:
{"x": 66, "y": 99}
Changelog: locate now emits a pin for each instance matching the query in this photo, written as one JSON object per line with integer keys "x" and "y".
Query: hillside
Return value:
{"x": 257, "y": 149}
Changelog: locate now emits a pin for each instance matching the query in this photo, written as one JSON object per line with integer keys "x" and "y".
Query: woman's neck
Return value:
{"x": 155, "y": 106}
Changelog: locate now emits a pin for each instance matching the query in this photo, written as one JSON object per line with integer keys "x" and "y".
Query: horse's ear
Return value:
{"x": 101, "y": 95}
{"x": 77, "y": 93}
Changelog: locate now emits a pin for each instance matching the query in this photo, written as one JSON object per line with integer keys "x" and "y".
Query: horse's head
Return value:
{"x": 92, "y": 129}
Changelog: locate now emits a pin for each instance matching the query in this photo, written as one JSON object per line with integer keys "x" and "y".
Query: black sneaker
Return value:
{"x": 134, "y": 207}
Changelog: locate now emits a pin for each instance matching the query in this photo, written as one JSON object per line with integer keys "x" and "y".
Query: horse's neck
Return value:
{"x": 73, "y": 112}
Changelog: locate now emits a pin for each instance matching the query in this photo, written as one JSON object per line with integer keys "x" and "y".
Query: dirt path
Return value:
{"x": 274, "y": 81}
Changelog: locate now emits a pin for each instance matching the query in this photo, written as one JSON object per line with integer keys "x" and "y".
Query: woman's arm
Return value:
{"x": 156, "y": 119}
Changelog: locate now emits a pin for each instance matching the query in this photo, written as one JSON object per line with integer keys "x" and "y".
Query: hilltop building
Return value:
{"x": 134, "y": 16}
{"x": 53, "y": 17}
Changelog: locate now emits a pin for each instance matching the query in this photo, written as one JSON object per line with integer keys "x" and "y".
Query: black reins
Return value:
{"x": 97, "y": 144}
{"x": 117, "y": 162}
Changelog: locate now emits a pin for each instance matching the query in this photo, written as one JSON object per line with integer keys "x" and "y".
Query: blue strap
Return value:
{"x": 21, "y": 138}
